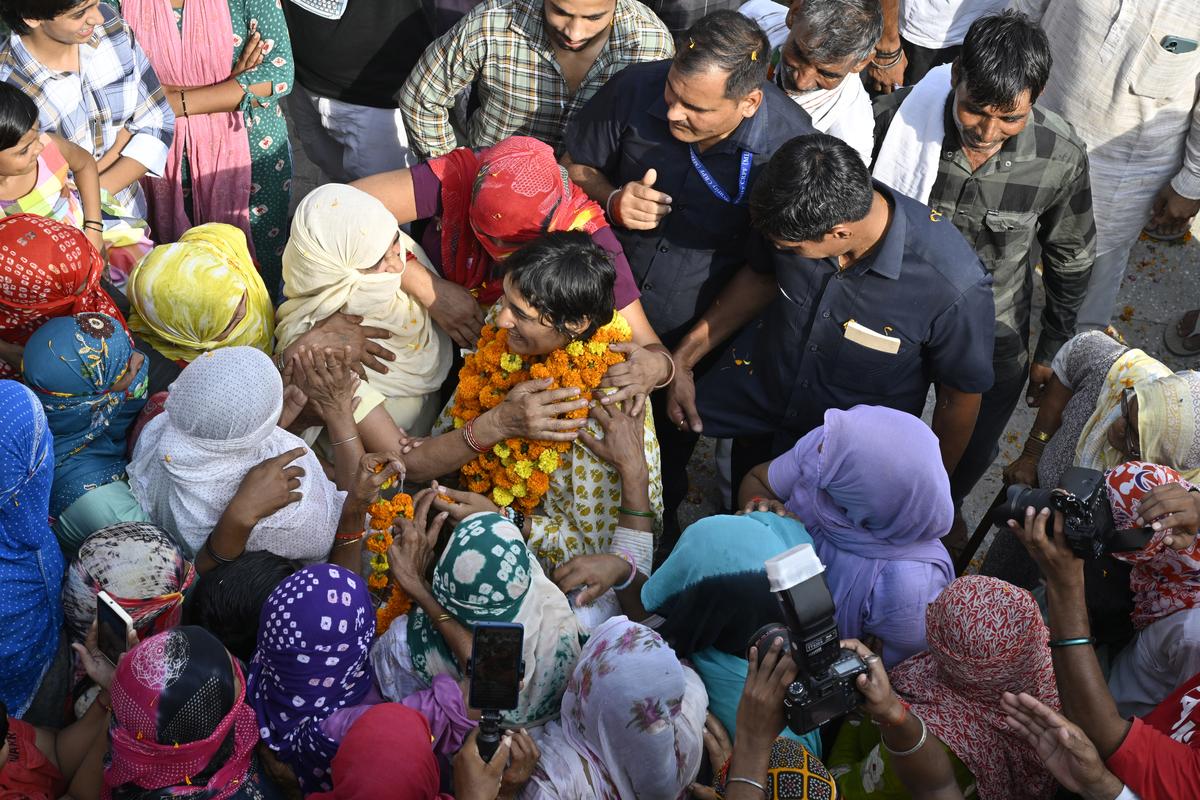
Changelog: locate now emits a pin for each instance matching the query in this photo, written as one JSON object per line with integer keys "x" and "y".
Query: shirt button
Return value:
{"x": 662, "y": 248}
{"x": 649, "y": 287}
{"x": 812, "y": 348}
{"x": 825, "y": 314}
{"x": 839, "y": 276}
{"x": 803, "y": 384}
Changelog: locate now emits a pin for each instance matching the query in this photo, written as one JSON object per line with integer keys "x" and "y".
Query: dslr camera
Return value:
{"x": 1087, "y": 516}
{"x": 826, "y": 687}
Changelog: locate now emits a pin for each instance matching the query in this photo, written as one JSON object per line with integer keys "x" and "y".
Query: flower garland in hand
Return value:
{"x": 516, "y": 472}
{"x": 383, "y": 514}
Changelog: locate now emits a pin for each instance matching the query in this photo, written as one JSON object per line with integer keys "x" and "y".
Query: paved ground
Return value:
{"x": 1163, "y": 281}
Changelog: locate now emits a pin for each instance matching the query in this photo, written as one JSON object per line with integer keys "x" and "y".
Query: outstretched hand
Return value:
{"x": 1061, "y": 745}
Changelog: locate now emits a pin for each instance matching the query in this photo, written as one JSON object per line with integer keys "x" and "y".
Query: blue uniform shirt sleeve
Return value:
{"x": 959, "y": 350}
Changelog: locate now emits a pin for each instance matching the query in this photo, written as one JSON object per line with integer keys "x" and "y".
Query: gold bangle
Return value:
{"x": 1041, "y": 436}
{"x": 443, "y": 618}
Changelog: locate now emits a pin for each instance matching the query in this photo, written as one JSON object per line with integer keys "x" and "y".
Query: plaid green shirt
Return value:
{"x": 1036, "y": 188}
{"x": 502, "y": 50}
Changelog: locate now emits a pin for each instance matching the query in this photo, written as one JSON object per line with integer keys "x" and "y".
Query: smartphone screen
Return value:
{"x": 496, "y": 665}
{"x": 112, "y": 630}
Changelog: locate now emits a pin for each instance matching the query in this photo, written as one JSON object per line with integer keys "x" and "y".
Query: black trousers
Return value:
{"x": 922, "y": 59}
{"x": 995, "y": 410}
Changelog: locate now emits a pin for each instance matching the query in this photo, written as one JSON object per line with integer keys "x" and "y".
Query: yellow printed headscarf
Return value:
{"x": 183, "y": 295}
{"x": 1133, "y": 369}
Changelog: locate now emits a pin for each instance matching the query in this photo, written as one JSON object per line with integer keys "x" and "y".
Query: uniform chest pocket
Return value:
{"x": 1005, "y": 236}
{"x": 1160, "y": 74}
{"x": 868, "y": 371}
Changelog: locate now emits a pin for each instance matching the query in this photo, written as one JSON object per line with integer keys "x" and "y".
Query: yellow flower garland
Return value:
{"x": 383, "y": 514}
{"x": 516, "y": 472}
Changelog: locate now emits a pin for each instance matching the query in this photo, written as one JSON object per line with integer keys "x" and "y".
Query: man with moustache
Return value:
{"x": 670, "y": 149}
{"x": 969, "y": 142}
{"x": 530, "y": 66}
{"x": 105, "y": 98}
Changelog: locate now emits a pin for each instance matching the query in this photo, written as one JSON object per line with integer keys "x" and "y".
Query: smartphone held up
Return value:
{"x": 495, "y": 673}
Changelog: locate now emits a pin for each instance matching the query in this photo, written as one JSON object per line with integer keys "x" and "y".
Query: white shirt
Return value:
{"x": 1131, "y": 101}
{"x": 942, "y": 23}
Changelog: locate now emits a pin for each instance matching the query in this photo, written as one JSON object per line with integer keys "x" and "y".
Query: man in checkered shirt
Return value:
{"x": 1010, "y": 176}
{"x": 531, "y": 64}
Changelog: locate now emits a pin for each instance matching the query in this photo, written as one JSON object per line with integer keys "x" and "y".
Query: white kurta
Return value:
{"x": 1131, "y": 101}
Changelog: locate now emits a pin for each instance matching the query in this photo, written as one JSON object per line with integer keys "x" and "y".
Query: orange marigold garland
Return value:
{"x": 383, "y": 514}
{"x": 516, "y": 472}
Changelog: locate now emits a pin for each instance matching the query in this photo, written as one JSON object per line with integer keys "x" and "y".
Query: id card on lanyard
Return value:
{"x": 747, "y": 158}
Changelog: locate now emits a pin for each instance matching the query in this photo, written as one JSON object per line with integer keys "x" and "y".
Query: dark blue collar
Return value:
{"x": 888, "y": 258}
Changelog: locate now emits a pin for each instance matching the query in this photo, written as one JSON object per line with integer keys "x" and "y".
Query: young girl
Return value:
{"x": 44, "y": 174}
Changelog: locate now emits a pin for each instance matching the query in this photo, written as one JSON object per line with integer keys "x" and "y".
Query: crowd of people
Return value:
{"x": 312, "y": 454}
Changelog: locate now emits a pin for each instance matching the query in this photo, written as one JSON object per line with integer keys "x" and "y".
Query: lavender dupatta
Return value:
{"x": 870, "y": 487}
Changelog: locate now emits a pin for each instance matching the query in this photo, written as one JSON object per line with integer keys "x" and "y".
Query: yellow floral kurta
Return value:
{"x": 578, "y": 515}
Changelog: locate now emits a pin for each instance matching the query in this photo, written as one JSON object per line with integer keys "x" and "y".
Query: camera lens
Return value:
{"x": 1019, "y": 498}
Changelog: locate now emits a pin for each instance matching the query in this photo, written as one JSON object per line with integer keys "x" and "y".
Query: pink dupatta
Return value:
{"x": 218, "y": 147}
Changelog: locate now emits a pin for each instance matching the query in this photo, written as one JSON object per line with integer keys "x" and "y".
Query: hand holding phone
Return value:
{"x": 113, "y": 625}
{"x": 496, "y": 669}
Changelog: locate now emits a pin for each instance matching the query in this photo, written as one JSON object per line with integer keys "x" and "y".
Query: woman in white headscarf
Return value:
{"x": 347, "y": 254}
{"x": 221, "y": 420}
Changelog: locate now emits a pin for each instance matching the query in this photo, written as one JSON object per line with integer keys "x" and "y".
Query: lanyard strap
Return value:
{"x": 711, "y": 182}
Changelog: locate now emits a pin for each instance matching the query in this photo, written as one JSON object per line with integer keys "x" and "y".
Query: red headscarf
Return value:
{"x": 985, "y": 637}
{"x": 176, "y": 697}
{"x": 360, "y": 774}
{"x": 1163, "y": 580}
{"x": 493, "y": 202}
{"x": 47, "y": 269}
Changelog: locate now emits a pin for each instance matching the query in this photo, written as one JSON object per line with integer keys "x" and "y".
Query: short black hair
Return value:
{"x": 567, "y": 278}
{"x": 18, "y": 113}
{"x": 15, "y": 12}
{"x": 1002, "y": 56}
{"x": 813, "y": 183}
{"x": 228, "y": 600}
{"x": 839, "y": 29}
{"x": 731, "y": 43}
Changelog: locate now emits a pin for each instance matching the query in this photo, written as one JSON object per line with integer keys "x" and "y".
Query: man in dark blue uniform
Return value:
{"x": 868, "y": 296}
{"x": 671, "y": 149}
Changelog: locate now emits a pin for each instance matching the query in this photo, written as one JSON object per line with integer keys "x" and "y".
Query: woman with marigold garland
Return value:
{"x": 564, "y": 487}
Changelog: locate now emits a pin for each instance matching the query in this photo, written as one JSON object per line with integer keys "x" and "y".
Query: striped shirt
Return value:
{"x": 501, "y": 49}
{"x": 1035, "y": 188}
{"x": 114, "y": 89}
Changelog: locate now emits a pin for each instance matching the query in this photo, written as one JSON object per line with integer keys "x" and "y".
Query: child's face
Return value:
{"x": 21, "y": 158}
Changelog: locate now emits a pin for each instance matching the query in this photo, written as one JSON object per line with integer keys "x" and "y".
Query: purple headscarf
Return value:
{"x": 870, "y": 487}
{"x": 314, "y": 634}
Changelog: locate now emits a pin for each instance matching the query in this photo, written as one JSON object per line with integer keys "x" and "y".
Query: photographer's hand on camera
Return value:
{"x": 1082, "y": 687}
{"x": 1172, "y": 507}
{"x": 919, "y": 758}
{"x": 1060, "y": 566}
